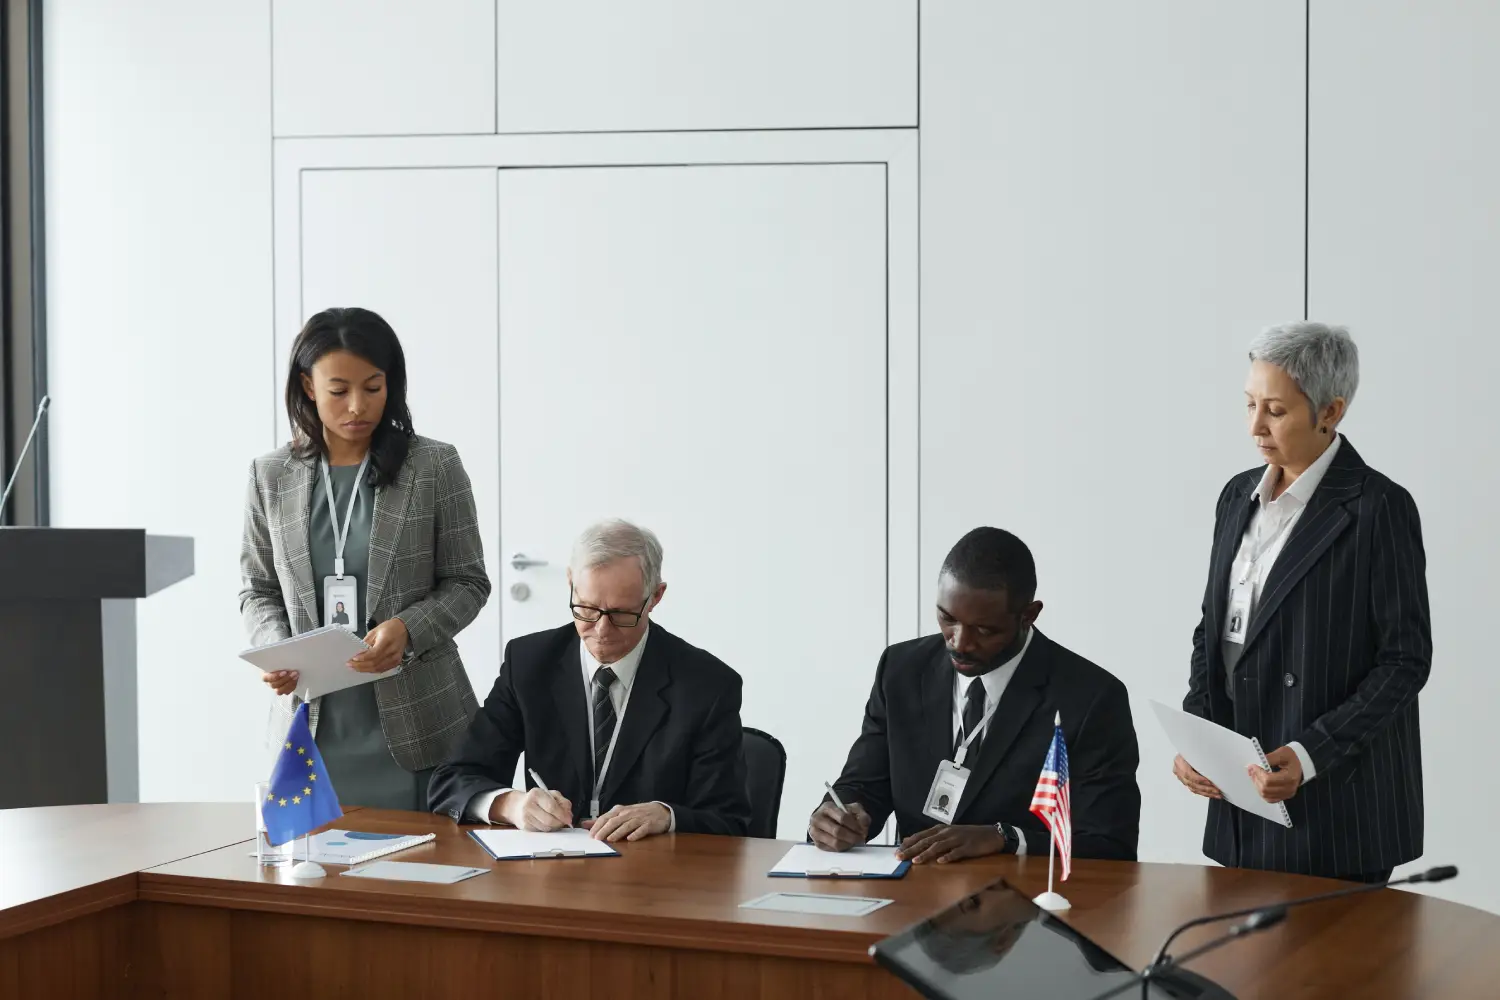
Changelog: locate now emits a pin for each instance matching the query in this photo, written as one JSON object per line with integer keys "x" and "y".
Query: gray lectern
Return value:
{"x": 67, "y": 659}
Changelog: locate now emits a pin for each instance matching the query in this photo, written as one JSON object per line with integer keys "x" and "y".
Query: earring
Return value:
{"x": 1324, "y": 429}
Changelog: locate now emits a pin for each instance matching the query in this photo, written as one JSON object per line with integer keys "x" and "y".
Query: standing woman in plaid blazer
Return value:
{"x": 360, "y": 511}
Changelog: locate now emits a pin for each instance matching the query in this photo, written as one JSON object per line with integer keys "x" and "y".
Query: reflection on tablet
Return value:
{"x": 997, "y": 943}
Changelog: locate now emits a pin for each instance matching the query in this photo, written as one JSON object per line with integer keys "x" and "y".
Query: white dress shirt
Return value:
{"x": 1270, "y": 525}
{"x": 994, "y": 683}
{"x": 619, "y": 695}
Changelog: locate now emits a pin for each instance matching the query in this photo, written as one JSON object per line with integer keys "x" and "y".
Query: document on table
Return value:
{"x": 514, "y": 845}
{"x": 1222, "y": 756}
{"x": 321, "y": 658}
{"x": 817, "y": 904}
{"x": 413, "y": 871}
{"x": 867, "y": 861}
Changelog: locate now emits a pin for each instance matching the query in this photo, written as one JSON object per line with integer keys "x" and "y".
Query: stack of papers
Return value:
{"x": 807, "y": 861}
{"x": 514, "y": 845}
{"x": 817, "y": 904}
{"x": 404, "y": 871}
{"x": 320, "y": 657}
{"x": 1222, "y": 756}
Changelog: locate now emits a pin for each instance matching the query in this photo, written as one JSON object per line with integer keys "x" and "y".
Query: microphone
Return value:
{"x": 1439, "y": 874}
{"x": 1169, "y": 970}
{"x": 36, "y": 424}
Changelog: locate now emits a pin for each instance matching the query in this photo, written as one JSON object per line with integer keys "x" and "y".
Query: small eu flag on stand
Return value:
{"x": 301, "y": 798}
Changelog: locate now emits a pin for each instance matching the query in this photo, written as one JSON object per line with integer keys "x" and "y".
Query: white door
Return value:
{"x": 703, "y": 350}
{"x": 418, "y": 247}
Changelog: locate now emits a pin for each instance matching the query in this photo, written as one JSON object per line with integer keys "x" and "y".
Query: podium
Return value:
{"x": 67, "y": 659}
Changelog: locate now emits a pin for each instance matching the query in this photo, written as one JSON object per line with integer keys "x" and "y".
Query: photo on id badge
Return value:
{"x": 947, "y": 789}
{"x": 341, "y": 602}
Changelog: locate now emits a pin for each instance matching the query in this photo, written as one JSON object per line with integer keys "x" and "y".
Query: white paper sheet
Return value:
{"x": 817, "y": 904}
{"x": 321, "y": 659}
{"x": 509, "y": 845}
{"x": 866, "y": 860}
{"x": 410, "y": 871}
{"x": 1220, "y": 755}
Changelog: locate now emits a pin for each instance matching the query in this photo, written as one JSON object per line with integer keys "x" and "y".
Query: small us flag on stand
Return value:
{"x": 1050, "y": 803}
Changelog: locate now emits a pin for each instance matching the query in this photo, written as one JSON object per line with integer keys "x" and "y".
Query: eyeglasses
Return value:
{"x": 617, "y": 617}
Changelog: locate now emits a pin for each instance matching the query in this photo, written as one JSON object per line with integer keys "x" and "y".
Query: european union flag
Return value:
{"x": 301, "y": 797}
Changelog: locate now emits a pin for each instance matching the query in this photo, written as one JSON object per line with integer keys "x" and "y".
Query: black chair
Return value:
{"x": 765, "y": 771}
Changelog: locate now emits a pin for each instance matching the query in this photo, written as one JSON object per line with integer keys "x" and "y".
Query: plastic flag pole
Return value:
{"x": 308, "y": 868}
{"x": 1050, "y": 900}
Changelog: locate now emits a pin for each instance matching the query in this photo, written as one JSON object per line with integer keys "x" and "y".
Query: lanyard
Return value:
{"x": 963, "y": 751}
{"x": 341, "y": 534}
{"x": 609, "y": 754}
{"x": 1258, "y": 545}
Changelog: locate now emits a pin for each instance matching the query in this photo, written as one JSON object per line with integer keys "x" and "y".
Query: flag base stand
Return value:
{"x": 1050, "y": 901}
{"x": 311, "y": 869}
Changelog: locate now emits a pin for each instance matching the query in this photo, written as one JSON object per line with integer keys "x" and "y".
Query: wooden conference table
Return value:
{"x": 166, "y": 901}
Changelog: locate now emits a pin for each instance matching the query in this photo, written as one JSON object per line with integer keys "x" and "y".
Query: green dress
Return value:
{"x": 349, "y": 734}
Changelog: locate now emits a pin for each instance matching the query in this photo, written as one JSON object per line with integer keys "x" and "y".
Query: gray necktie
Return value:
{"x": 604, "y": 719}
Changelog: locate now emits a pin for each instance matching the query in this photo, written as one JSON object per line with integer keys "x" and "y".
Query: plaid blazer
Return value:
{"x": 426, "y": 568}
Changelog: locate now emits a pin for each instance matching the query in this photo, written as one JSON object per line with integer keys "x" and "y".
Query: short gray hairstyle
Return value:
{"x": 614, "y": 539}
{"x": 1322, "y": 359}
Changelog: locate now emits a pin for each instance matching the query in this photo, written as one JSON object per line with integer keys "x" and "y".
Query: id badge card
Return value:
{"x": 341, "y": 602}
{"x": 1239, "y": 614}
{"x": 947, "y": 789}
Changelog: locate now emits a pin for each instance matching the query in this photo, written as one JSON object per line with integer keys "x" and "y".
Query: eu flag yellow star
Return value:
{"x": 312, "y": 777}
{"x": 309, "y": 762}
{"x": 296, "y": 800}
{"x": 301, "y": 751}
{"x": 281, "y": 802}
{"x": 288, "y": 746}
{"x": 307, "y": 791}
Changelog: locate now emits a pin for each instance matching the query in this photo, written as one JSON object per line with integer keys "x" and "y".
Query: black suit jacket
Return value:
{"x": 1338, "y": 646}
{"x": 908, "y": 731}
{"x": 679, "y": 739}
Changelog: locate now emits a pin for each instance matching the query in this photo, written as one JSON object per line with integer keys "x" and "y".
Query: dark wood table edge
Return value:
{"x": 66, "y": 906}
{"x": 536, "y": 921}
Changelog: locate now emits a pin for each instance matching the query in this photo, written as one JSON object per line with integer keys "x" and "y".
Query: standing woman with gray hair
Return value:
{"x": 1316, "y": 635}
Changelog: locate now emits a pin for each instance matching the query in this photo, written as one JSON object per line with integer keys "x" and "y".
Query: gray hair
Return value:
{"x": 1322, "y": 359}
{"x": 614, "y": 539}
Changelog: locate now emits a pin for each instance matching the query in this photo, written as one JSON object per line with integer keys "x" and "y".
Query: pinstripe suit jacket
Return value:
{"x": 1335, "y": 653}
{"x": 426, "y": 568}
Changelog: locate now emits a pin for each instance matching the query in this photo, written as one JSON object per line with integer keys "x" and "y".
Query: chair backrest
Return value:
{"x": 765, "y": 771}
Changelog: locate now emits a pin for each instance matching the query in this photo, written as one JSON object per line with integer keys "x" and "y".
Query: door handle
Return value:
{"x": 519, "y": 561}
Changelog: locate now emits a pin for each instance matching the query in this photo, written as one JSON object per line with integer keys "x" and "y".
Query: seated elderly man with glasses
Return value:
{"x": 628, "y": 730}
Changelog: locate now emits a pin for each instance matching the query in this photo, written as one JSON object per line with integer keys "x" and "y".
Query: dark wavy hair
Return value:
{"x": 366, "y": 335}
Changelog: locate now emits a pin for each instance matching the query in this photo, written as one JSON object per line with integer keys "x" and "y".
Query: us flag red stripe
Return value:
{"x": 1050, "y": 800}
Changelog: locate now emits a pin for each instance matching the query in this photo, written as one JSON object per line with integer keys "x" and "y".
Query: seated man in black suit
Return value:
{"x": 992, "y": 675}
{"x": 632, "y": 731}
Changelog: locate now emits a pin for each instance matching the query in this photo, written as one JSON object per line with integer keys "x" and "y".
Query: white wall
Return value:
{"x": 1112, "y": 202}
{"x": 1111, "y": 205}
{"x": 1403, "y": 208}
{"x": 158, "y": 183}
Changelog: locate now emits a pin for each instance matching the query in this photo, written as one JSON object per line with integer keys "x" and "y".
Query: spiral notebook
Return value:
{"x": 1221, "y": 755}
{"x": 353, "y": 847}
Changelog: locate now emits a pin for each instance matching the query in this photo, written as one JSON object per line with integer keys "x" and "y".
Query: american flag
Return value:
{"x": 1050, "y": 800}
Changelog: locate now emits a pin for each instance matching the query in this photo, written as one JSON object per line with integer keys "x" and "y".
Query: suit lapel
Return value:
{"x": 293, "y": 516}
{"x": 1320, "y": 524}
{"x": 569, "y": 698}
{"x": 1021, "y": 697}
{"x": 644, "y": 712}
{"x": 1241, "y": 508}
{"x": 937, "y": 712}
{"x": 385, "y": 535}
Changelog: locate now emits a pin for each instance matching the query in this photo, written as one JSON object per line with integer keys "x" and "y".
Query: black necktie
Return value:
{"x": 604, "y": 719}
{"x": 973, "y": 716}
